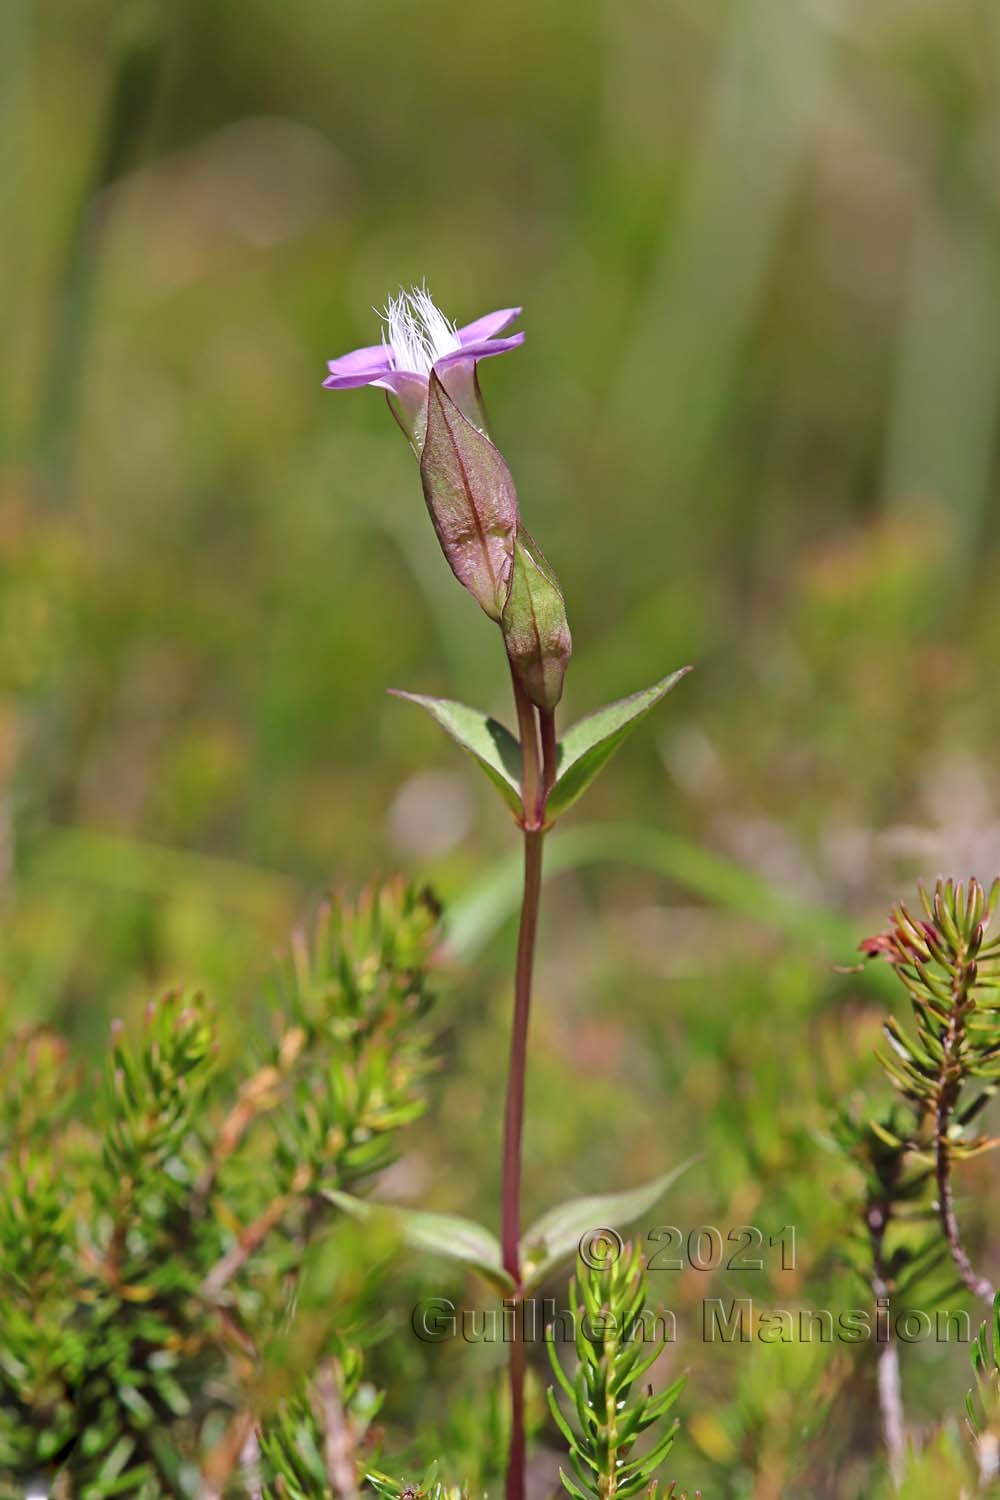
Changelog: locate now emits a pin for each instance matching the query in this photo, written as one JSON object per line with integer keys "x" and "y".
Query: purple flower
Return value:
{"x": 427, "y": 367}
{"x": 420, "y": 339}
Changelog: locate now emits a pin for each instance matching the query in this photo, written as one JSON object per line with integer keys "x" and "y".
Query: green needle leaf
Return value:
{"x": 449, "y": 1235}
{"x": 590, "y": 744}
{"x": 558, "y": 1417}
{"x": 570, "y": 1487}
{"x": 486, "y": 740}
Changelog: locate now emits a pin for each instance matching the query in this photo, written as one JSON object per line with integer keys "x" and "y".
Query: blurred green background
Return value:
{"x": 754, "y": 426}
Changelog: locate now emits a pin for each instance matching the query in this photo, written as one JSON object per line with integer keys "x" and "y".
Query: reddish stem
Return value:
{"x": 510, "y": 1214}
{"x": 533, "y": 792}
{"x": 510, "y": 1210}
{"x": 517, "y": 1452}
{"x": 547, "y": 719}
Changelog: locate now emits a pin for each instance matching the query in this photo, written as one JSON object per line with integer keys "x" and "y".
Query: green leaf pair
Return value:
{"x": 584, "y": 751}
{"x": 551, "y": 1241}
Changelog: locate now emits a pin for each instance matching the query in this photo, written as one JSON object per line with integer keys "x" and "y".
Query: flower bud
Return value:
{"x": 534, "y": 624}
{"x": 472, "y": 501}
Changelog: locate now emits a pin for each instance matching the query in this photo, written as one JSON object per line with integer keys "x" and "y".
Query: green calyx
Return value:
{"x": 535, "y": 630}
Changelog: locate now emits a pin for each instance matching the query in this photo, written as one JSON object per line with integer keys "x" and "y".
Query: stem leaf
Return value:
{"x": 489, "y": 743}
{"x": 557, "y": 1234}
{"x": 455, "y": 1238}
{"x": 589, "y": 745}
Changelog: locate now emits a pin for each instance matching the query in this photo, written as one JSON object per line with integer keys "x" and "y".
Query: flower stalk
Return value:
{"x": 513, "y": 1132}
{"x": 533, "y": 791}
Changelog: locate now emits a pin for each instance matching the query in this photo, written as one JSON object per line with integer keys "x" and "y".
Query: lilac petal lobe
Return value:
{"x": 488, "y": 325}
{"x": 481, "y": 350}
{"x": 373, "y": 357}
{"x": 350, "y": 382}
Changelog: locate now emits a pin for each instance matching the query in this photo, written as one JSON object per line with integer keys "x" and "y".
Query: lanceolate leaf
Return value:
{"x": 486, "y": 740}
{"x": 557, "y": 1234}
{"x": 455, "y": 1238}
{"x": 590, "y": 744}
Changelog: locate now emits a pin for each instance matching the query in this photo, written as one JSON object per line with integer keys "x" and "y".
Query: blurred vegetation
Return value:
{"x": 174, "y": 1311}
{"x": 756, "y": 422}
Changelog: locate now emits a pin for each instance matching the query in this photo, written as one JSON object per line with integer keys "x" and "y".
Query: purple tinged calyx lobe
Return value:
{"x": 471, "y": 499}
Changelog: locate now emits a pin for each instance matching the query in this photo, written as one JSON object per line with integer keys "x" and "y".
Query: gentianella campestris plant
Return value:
{"x": 428, "y": 368}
